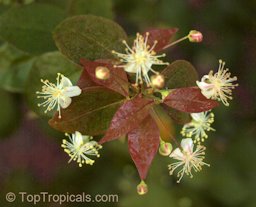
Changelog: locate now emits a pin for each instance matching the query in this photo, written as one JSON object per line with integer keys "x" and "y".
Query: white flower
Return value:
{"x": 218, "y": 86}
{"x": 187, "y": 159}
{"x": 200, "y": 123}
{"x": 79, "y": 147}
{"x": 58, "y": 95}
{"x": 140, "y": 58}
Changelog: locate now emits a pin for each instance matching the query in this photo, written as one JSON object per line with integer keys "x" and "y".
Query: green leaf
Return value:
{"x": 14, "y": 79}
{"x": 180, "y": 74}
{"x": 46, "y": 67}
{"x": 3, "y": 8}
{"x": 29, "y": 27}
{"x": 90, "y": 113}
{"x": 100, "y": 8}
{"x": 14, "y": 68}
{"x": 9, "y": 114}
{"x": 15, "y": 2}
{"x": 8, "y": 54}
{"x": 88, "y": 36}
{"x": 58, "y": 3}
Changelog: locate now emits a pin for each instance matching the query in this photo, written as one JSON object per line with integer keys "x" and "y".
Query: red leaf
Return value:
{"x": 162, "y": 36}
{"x": 189, "y": 100}
{"x": 85, "y": 81}
{"x": 143, "y": 143}
{"x": 117, "y": 81}
{"x": 127, "y": 117}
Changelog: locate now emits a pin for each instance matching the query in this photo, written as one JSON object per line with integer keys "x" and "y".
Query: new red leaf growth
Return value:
{"x": 162, "y": 36}
{"x": 117, "y": 80}
{"x": 85, "y": 81}
{"x": 143, "y": 143}
{"x": 128, "y": 117}
{"x": 189, "y": 100}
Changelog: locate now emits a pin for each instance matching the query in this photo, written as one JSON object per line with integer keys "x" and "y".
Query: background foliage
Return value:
{"x": 31, "y": 159}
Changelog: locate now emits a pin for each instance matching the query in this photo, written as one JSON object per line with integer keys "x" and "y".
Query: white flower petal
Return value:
{"x": 208, "y": 93}
{"x": 65, "y": 102}
{"x": 202, "y": 85}
{"x": 147, "y": 67}
{"x": 131, "y": 68}
{"x": 78, "y": 138}
{"x": 205, "y": 78}
{"x": 187, "y": 145}
{"x": 65, "y": 82}
{"x": 72, "y": 91}
{"x": 176, "y": 154}
{"x": 197, "y": 116}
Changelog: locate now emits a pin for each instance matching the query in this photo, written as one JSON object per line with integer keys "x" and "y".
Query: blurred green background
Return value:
{"x": 31, "y": 158}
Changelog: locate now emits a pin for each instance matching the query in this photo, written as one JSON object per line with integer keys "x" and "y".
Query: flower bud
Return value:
{"x": 165, "y": 148}
{"x": 157, "y": 81}
{"x": 142, "y": 188}
{"x": 102, "y": 73}
{"x": 195, "y": 36}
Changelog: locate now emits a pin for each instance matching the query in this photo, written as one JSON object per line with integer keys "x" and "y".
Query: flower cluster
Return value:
{"x": 141, "y": 114}
{"x": 187, "y": 158}
{"x": 59, "y": 95}
{"x": 216, "y": 86}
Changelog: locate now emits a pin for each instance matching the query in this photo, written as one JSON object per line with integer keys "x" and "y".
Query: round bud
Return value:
{"x": 195, "y": 36}
{"x": 165, "y": 148}
{"x": 157, "y": 81}
{"x": 102, "y": 73}
{"x": 142, "y": 188}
